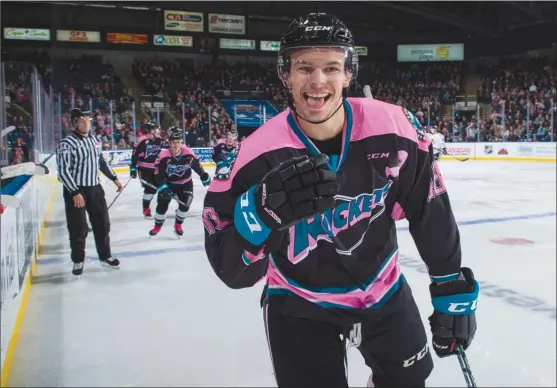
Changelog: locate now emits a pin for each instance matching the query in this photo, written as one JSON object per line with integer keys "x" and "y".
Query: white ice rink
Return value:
{"x": 165, "y": 319}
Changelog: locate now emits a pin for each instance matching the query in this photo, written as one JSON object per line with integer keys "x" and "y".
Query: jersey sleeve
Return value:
{"x": 424, "y": 199}
{"x": 217, "y": 153}
{"x": 197, "y": 167}
{"x": 160, "y": 170}
{"x": 139, "y": 147}
{"x": 237, "y": 262}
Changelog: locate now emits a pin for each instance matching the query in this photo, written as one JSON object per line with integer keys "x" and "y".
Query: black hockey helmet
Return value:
{"x": 317, "y": 30}
{"x": 151, "y": 127}
{"x": 77, "y": 113}
{"x": 175, "y": 133}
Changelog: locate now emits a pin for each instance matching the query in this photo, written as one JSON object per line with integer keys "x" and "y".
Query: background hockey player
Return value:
{"x": 311, "y": 205}
{"x": 438, "y": 143}
{"x": 173, "y": 176}
{"x": 143, "y": 160}
{"x": 224, "y": 154}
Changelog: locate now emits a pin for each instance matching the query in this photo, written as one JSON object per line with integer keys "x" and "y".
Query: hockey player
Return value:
{"x": 144, "y": 156}
{"x": 311, "y": 205}
{"x": 173, "y": 176}
{"x": 438, "y": 143}
{"x": 224, "y": 154}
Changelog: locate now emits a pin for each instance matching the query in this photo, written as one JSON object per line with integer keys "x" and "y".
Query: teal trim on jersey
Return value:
{"x": 335, "y": 290}
{"x": 246, "y": 220}
{"x": 314, "y": 150}
{"x": 380, "y": 303}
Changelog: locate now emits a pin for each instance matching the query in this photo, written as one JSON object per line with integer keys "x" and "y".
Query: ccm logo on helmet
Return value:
{"x": 319, "y": 28}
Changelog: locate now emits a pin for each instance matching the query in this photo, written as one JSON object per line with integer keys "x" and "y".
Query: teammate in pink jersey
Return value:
{"x": 310, "y": 208}
{"x": 173, "y": 178}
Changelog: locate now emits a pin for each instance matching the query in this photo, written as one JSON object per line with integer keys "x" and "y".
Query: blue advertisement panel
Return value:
{"x": 249, "y": 113}
{"x": 124, "y": 157}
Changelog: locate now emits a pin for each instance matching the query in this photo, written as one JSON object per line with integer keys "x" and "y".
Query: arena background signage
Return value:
{"x": 123, "y": 38}
{"x": 237, "y": 44}
{"x": 227, "y": 24}
{"x": 361, "y": 50}
{"x": 78, "y": 36}
{"x": 26, "y": 33}
{"x": 430, "y": 52}
{"x": 269, "y": 45}
{"x": 173, "y": 40}
{"x": 183, "y": 21}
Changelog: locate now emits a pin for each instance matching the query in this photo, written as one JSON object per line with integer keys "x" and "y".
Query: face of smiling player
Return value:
{"x": 316, "y": 79}
{"x": 176, "y": 146}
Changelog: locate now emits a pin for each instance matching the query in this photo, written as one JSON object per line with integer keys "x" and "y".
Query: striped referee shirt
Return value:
{"x": 79, "y": 160}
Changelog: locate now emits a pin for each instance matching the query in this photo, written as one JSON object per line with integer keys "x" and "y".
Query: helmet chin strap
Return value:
{"x": 322, "y": 121}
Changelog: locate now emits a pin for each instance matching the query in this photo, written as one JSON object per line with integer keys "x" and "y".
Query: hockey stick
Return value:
{"x": 466, "y": 371}
{"x": 173, "y": 196}
{"x": 367, "y": 92}
{"x": 459, "y": 159}
{"x": 6, "y": 130}
{"x": 115, "y": 198}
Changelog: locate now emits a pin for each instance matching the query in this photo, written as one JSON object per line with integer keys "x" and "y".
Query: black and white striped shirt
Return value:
{"x": 79, "y": 160}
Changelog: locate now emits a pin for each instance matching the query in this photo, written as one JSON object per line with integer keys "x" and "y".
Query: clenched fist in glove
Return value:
{"x": 295, "y": 190}
{"x": 454, "y": 317}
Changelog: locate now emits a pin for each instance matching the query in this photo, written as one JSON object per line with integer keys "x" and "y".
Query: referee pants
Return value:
{"x": 95, "y": 205}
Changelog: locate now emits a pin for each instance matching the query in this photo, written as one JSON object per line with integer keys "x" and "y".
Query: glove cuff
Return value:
{"x": 246, "y": 220}
{"x": 456, "y": 297}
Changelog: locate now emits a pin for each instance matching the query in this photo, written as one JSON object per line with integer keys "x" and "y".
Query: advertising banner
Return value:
{"x": 361, "y": 50}
{"x": 173, "y": 40}
{"x": 460, "y": 149}
{"x": 78, "y": 36}
{"x": 269, "y": 45}
{"x": 493, "y": 150}
{"x": 227, "y": 24}
{"x": 26, "y": 33}
{"x": 430, "y": 52}
{"x": 237, "y": 44}
{"x": 124, "y": 157}
{"x": 125, "y": 38}
{"x": 183, "y": 21}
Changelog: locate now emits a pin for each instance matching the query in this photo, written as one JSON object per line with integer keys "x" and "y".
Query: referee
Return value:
{"x": 79, "y": 159}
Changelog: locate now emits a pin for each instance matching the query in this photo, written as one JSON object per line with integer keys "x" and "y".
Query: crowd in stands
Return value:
{"x": 515, "y": 97}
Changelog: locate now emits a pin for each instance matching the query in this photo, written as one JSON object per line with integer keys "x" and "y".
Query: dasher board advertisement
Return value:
{"x": 78, "y": 36}
{"x": 227, "y": 24}
{"x": 183, "y": 21}
{"x": 26, "y": 33}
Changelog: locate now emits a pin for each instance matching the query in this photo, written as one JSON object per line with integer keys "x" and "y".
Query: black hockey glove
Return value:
{"x": 296, "y": 189}
{"x": 164, "y": 192}
{"x": 453, "y": 321}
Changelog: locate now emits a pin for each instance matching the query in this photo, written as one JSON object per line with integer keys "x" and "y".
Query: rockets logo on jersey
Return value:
{"x": 416, "y": 124}
{"x": 224, "y": 166}
{"x": 177, "y": 169}
{"x": 347, "y": 212}
{"x": 152, "y": 150}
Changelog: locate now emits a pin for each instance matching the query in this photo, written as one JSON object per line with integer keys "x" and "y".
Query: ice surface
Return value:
{"x": 164, "y": 318}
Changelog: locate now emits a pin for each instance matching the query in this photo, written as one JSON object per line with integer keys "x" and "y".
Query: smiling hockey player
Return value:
{"x": 144, "y": 156}
{"x": 311, "y": 205}
{"x": 173, "y": 176}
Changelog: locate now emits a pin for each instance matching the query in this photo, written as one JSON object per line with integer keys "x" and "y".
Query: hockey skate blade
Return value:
{"x": 106, "y": 265}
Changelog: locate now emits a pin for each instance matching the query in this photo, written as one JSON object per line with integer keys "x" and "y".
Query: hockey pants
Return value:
{"x": 148, "y": 175}
{"x": 184, "y": 194}
{"x": 308, "y": 351}
{"x": 95, "y": 206}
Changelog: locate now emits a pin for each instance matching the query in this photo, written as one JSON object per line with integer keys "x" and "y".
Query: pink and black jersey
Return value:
{"x": 176, "y": 170}
{"x": 346, "y": 258}
{"x": 146, "y": 151}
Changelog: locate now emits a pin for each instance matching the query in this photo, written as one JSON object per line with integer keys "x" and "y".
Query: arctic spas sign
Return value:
{"x": 26, "y": 33}
{"x": 269, "y": 45}
{"x": 430, "y": 52}
{"x": 78, "y": 36}
{"x": 173, "y": 40}
{"x": 227, "y": 24}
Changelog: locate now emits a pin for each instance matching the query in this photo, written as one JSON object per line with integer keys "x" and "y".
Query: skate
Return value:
{"x": 111, "y": 262}
{"x": 155, "y": 230}
{"x": 77, "y": 269}
{"x": 147, "y": 214}
{"x": 178, "y": 229}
